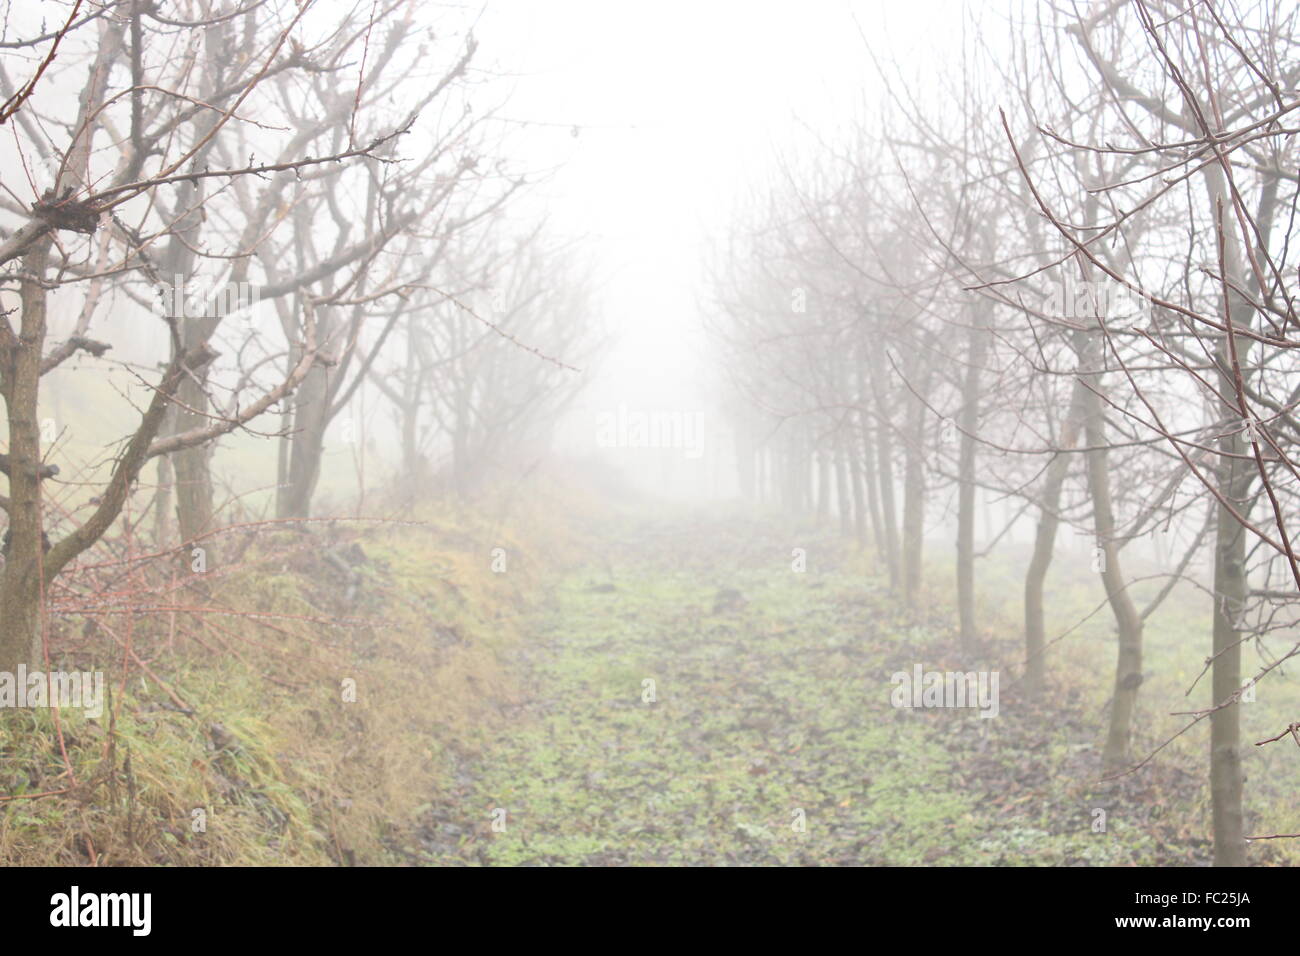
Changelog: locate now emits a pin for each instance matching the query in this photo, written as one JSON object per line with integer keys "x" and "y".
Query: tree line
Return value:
{"x": 1062, "y": 279}
{"x": 282, "y": 204}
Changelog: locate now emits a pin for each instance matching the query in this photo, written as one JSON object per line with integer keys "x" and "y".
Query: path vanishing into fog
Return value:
{"x": 766, "y": 735}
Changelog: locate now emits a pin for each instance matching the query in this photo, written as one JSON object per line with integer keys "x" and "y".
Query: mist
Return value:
{"x": 649, "y": 435}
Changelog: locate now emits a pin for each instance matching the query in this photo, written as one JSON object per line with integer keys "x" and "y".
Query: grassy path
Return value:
{"x": 771, "y": 706}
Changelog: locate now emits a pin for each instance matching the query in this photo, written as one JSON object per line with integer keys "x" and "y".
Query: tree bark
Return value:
{"x": 913, "y": 499}
{"x": 859, "y": 486}
{"x": 20, "y": 581}
{"x": 194, "y": 495}
{"x": 842, "y": 503}
{"x": 306, "y": 445}
{"x": 1044, "y": 545}
{"x": 1128, "y": 664}
{"x": 1235, "y": 475}
{"x": 884, "y": 460}
{"x": 970, "y": 394}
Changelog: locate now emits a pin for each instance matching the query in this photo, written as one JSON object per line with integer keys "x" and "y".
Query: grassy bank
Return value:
{"x": 298, "y": 702}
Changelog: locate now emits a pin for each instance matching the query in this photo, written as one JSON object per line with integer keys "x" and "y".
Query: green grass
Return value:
{"x": 778, "y": 706}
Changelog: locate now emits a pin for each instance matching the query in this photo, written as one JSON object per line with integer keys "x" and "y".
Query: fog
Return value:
{"x": 586, "y": 434}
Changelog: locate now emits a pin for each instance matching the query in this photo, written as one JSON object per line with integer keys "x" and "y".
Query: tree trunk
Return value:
{"x": 970, "y": 394}
{"x": 194, "y": 496}
{"x": 193, "y": 466}
{"x": 20, "y": 581}
{"x": 820, "y": 463}
{"x": 1225, "y": 724}
{"x": 842, "y": 487}
{"x": 1128, "y": 664}
{"x": 1044, "y": 544}
{"x": 1235, "y": 475}
{"x": 21, "y": 584}
{"x": 884, "y": 460}
{"x": 870, "y": 474}
{"x": 306, "y": 445}
{"x": 913, "y": 500}
{"x": 859, "y": 488}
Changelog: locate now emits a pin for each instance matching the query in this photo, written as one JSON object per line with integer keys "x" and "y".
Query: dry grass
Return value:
{"x": 283, "y": 768}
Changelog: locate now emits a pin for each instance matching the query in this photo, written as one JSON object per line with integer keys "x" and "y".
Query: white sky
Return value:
{"x": 682, "y": 107}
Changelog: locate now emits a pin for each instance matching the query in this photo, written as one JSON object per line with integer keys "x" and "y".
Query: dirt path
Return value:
{"x": 693, "y": 700}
